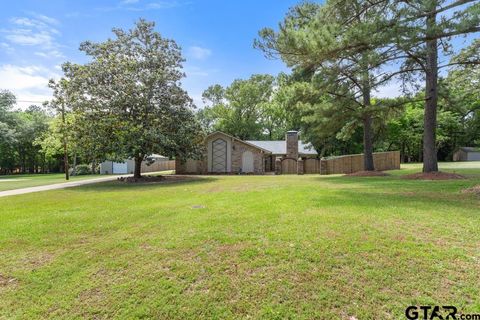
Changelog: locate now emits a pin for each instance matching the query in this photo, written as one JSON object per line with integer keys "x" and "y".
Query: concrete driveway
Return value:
{"x": 62, "y": 185}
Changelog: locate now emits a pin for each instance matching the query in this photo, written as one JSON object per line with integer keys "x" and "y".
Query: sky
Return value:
{"x": 216, "y": 36}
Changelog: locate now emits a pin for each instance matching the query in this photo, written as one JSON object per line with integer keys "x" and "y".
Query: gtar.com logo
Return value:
{"x": 437, "y": 312}
{"x": 431, "y": 312}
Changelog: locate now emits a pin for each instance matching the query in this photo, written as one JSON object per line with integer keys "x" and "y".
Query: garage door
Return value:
{"x": 120, "y": 168}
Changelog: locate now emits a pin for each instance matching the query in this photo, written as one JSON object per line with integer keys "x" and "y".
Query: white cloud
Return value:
{"x": 6, "y": 47}
{"x": 45, "y": 19}
{"x": 199, "y": 53}
{"x": 28, "y": 83}
{"x": 25, "y": 37}
{"x": 50, "y": 54}
{"x": 39, "y": 32}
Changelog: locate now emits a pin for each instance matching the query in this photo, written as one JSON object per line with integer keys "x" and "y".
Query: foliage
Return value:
{"x": 129, "y": 96}
{"x": 17, "y": 131}
{"x": 246, "y": 109}
{"x": 315, "y": 41}
{"x": 82, "y": 170}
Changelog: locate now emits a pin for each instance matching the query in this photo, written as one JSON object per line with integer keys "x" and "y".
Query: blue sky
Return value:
{"x": 216, "y": 36}
{"x": 36, "y": 36}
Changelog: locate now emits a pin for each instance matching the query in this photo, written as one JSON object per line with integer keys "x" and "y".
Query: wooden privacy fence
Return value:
{"x": 158, "y": 166}
{"x": 342, "y": 164}
{"x": 353, "y": 163}
{"x": 311, "y": 166}
{"x": 289, "y": 166}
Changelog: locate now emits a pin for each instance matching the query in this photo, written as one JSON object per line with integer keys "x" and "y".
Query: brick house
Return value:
{"x": 226, "y": 154}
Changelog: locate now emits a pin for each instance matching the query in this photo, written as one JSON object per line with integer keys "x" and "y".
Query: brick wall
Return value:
{"x": 238, "y": 149}
{"x": 291, "y": 140}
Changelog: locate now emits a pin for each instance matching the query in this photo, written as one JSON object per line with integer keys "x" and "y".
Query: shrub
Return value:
{"x": 82, "y": 170}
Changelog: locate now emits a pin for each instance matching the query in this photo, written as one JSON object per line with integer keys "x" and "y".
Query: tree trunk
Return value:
{"x": 430, "y": 163}
{"x": 74, "y": 171}
{"x": 367, "y": 118}
{"x": 65, "y": 148}
{"x": 368, "y": 143}
{"x": 138, "y": 167}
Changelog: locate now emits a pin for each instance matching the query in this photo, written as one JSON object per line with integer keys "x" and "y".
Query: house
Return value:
{"x": 226, "y": 154}
{"x": 128, "y": 165}
{"x": 467, "y": 154}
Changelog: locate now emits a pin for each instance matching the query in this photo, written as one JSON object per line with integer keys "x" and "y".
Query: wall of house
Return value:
{"x": 209, "y": 142}
{"x": 238, "y": 149}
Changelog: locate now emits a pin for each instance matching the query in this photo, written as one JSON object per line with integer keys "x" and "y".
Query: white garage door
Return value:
{"x": 119, "y": 168}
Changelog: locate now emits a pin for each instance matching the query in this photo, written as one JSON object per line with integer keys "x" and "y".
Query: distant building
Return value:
{"x": 467, "y": 154}
{"x": 155, "y": 162}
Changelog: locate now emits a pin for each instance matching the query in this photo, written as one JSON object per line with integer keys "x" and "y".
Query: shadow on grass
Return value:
{"x": 405, "y": 199}
{"x": 123, "y": 186}
{"x": 396, "y": 179}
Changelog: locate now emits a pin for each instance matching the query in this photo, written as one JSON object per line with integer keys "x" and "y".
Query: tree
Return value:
{"x": 459, "y": 93}
{"x": 421, "y": 30}
{"x": 7, "y": 134}
{"x": 243, "y": 109}
{"x": 130, "y": 92}
{"x": 31, "y": 123}
{"x": 314, "y": 40}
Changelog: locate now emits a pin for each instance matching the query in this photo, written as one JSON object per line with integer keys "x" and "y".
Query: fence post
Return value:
{"x": 278, "y": 166}
{"x": 300, "y": 166}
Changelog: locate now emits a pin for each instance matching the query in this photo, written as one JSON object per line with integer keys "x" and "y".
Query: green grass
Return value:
{"x": 18, "y": 181}
{"x": 271, "y": 247}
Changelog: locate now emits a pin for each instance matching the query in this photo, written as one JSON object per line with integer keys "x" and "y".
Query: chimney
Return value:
{"x": 292, "y": 144}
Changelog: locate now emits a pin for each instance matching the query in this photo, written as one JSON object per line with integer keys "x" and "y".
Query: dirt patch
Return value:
{"x": 37, "y": 261}
{"x": 7, "y": 281}
{"x": 433, "y": 176}
{"x": 475, "y": 190}
{"x": 156, "y": 179}
{"x": 367, "y": 174}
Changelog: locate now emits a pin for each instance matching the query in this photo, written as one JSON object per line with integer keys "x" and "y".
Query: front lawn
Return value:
{"x": 224, "y": 247}
{"x": 18, "y": 181}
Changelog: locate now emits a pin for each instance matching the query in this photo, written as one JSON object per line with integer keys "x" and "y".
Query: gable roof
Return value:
{"x": 280, "y": 147}
{"x": 469, "y": 149}
{"x": 239, "y": 140}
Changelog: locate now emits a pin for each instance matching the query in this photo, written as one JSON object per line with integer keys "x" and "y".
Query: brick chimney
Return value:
{"x": 291, "y": 140}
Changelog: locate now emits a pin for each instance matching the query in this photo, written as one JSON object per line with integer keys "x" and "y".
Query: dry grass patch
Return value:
{"x": 7, "y": 281}
{"x": 473, "y": 190}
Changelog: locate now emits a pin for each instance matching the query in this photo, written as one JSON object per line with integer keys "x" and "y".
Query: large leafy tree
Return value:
{"x": 244, "y": 109}
{"x": 315, "y": 40}
{"x": 130, "y": 91}
{"x": 460, "y": 94}
{"x": 8, "y": 137}
{"x": 17, "y": 130}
